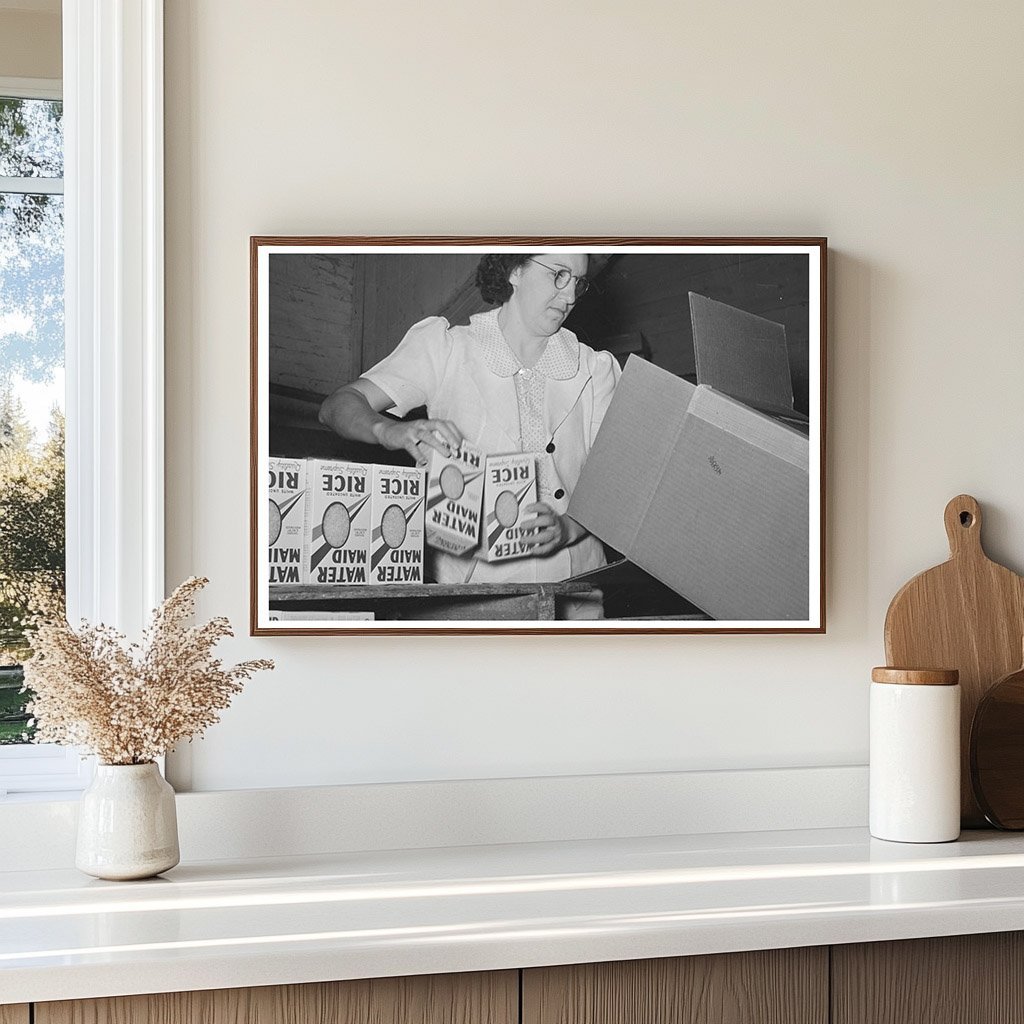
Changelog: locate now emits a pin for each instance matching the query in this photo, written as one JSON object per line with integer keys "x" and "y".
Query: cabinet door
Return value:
{"x": 962, "y": 979}
{"x": 483, "y": 998}
{"x": 778, "y": 986}
{"x": 14, "y": 1014}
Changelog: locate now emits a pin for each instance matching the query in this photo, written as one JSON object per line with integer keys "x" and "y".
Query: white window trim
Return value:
{"x": 32, "y": 88}
{"x": 32, "y": 186}
{"x": 114, "y": 328}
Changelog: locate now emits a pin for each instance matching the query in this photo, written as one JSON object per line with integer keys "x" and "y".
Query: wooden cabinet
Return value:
{"x": 491, "y": 998}
{"x": 966, "y": 979}
{"x": 972, "y": 979}
{"x": 962, "y": 979}
{"x": 777, "y": 986}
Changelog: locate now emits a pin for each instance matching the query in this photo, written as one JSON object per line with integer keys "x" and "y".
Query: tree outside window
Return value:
{"x": 32, "y": 561}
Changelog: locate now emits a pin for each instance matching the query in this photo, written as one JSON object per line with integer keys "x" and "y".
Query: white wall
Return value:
{"x": 894, "y": 129}
{"x": 29, "y": 41}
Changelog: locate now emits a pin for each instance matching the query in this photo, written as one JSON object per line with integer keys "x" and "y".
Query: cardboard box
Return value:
{"x": 396, "y": 510}
{"x": 286, "y": 534}
{"x": 744, "y": 356}
{"x": 510, "y": 485}
{"x": 703, "y": 493}
{"x": 338, "y": 522}
{"x": 455, "y": 494}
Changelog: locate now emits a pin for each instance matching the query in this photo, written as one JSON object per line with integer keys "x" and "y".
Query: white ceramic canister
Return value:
{"x": 915, "y": 755}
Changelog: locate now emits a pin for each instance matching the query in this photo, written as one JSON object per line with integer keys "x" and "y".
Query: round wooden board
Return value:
{"x": 997, "y": 752}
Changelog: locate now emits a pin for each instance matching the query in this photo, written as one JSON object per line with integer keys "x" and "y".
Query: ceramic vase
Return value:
{"x": 127, "y": 825}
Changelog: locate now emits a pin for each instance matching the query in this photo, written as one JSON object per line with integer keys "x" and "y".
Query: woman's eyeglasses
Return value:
{"x": 563, "y": 277}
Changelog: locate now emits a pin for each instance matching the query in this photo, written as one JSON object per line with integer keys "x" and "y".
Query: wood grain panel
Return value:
{"x": 481, "y": 998}
{"x": 962, "y": 979}
{"x": 14, "y": 1014}
{"x": 782, "y": 986}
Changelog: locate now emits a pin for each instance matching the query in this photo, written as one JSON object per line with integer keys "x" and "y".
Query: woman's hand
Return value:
{"x": 417, "y": 437}
{"x": 549, "y": 531}
{"x": 355, "y": 411}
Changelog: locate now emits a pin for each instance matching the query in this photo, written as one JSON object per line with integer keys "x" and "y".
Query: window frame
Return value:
{"x": 114, "y": 336}
{"x": 32, "y": 88}
{"x": 49, "y": 89}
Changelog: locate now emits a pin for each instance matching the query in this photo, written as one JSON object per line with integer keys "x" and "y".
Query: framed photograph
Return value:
{"x": 537, "y": 435}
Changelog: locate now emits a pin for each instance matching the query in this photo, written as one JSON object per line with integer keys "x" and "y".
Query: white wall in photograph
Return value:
{"x": 892, "y": 129}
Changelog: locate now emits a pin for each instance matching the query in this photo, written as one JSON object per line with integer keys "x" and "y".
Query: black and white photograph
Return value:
{"x": 537, "y": 435}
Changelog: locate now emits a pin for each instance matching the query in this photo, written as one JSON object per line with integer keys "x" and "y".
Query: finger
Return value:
{"x": 541, "y": 511}
{"x": 541, "y": 538}
{"x": 436, "y": 443}
{"x": 417, "y": 451}
{"x": 550, "y": 533}
{"x": 426, "y": 438}
{"x": 540, "y": 550}
{"x": 447, "y": 432}
{"x": 535, "y": 523}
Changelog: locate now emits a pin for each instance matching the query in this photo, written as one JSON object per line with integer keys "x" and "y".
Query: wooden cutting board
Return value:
{"x": 997, "y": 752}
{"x": 967, "y": 614}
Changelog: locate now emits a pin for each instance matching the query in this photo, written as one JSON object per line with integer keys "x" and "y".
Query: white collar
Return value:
{"x": 559, "y": 361}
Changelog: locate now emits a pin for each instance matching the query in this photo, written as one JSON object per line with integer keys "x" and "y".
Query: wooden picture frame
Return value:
{"x": 675, "y": 438}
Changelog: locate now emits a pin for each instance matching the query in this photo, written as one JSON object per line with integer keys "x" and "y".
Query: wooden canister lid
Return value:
{"x": 916, "y": 676}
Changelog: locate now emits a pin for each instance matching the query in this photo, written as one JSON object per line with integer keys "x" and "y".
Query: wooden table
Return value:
{"x": 526, "y": 602}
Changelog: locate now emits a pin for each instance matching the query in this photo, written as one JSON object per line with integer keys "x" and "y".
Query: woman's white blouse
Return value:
{"x": 469, "y": 375}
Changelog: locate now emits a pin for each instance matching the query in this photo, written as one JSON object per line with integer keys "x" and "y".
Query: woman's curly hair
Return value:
{"x": 492, "y": 274}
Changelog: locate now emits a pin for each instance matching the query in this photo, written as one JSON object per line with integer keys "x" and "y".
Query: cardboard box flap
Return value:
{"x": 740, "y": 353}
{"x": 778, "y": 440}
{"x": 639, "y": 432}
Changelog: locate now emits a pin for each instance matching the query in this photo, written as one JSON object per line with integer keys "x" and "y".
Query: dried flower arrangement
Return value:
{"x": 129, "y": 704}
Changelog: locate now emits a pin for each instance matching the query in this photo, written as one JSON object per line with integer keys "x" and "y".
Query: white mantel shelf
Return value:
{"x": 224, "y": 924}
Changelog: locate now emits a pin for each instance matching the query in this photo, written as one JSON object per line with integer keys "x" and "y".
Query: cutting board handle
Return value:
{"x": 963, "y": 526}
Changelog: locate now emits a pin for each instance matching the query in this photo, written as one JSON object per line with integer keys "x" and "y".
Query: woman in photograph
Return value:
{"x": 513, "y": 380}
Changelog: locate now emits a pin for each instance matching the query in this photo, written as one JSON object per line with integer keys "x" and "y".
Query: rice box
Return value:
{"x": 455, "y": 494}
{"x": 510, "y": 485}
{"x": 286, "y": 535}
{"x": 338, "y": 514}
{"x": 396, "y": 514}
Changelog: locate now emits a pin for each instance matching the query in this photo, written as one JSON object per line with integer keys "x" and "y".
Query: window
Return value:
{"x": 32, "y": 535}
{"x": 113, "y": 286}
{"x": 31, "y": 381}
